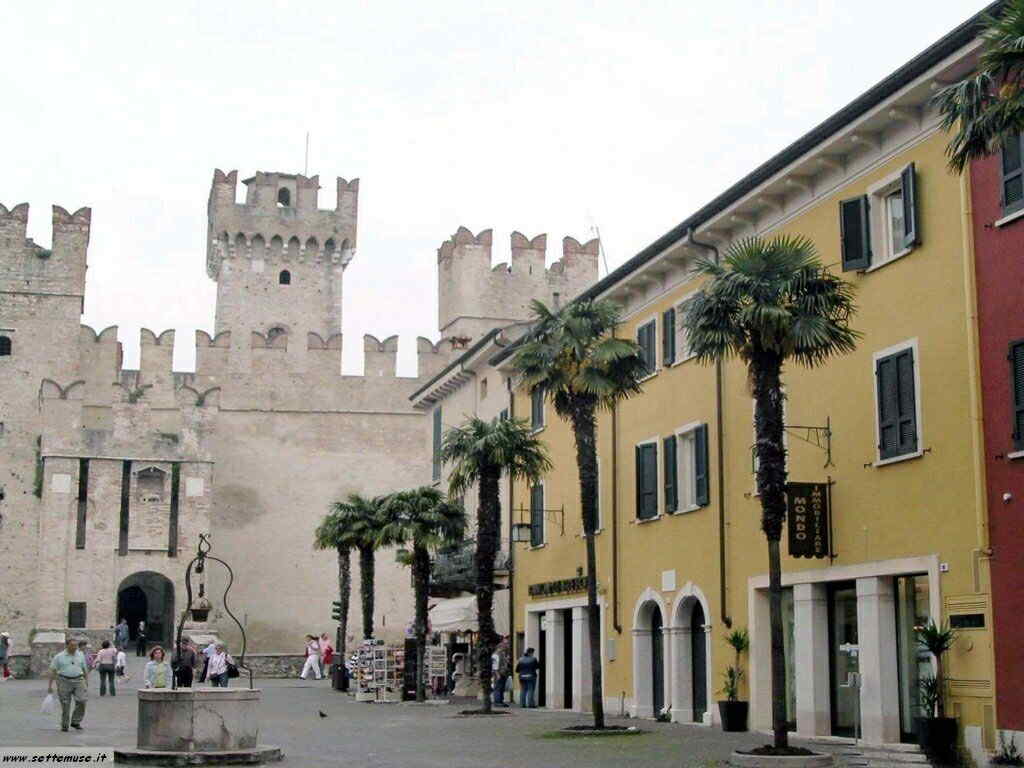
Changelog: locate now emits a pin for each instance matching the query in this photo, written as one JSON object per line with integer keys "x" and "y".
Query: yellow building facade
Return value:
{"x": 682, "y": 560}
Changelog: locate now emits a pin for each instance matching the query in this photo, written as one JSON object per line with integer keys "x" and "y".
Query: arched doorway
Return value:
{"x": 690, "y": 661}
{"x": 648, "y": 658}
{"x": 147, "y": 596}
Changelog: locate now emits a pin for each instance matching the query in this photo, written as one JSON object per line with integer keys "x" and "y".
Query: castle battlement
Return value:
{"x": 474, "y": 296}
{"x": 26, "y": 267}
{"x": 279, "y": 220}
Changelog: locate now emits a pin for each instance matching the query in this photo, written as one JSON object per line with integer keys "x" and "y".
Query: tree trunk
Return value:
{"x": 420, "y": 577}
{"x": 940, "y": 707}
{"x": 766, "y": 371}
{"x": 344, "y": 591}
{"x": 366, "y": 577}
{"x": 488, "y": 521}
{"x": 584, "y": 427}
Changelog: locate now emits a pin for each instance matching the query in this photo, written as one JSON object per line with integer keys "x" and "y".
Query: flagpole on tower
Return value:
{"x": 305, "y": 171}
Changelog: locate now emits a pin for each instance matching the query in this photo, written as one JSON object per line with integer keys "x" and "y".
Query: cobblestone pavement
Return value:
{"x": 379, "y": 735}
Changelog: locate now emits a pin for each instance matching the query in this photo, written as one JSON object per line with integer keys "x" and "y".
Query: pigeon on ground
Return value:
{"x": 322, "y": 713}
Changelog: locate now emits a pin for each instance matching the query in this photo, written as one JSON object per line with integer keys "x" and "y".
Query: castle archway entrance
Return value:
{"x": 147, "y": 596}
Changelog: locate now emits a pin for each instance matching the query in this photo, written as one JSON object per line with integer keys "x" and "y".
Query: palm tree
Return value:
{"x": 424, "y": 519}
{"x": 480, "y": 451}
{"x": 360, "y": 516}
{"x": 987, "y": 108}
{"x": 574, "y": 359}
{"x": 770, "y": 302}
{"x": 332, "y": 533}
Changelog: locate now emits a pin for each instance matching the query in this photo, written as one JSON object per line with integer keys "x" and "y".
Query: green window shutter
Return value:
{"x": 537, "y": 407}
{"x": 1017, "y": 385}
{"x": 911, "y": 230}
{"x": 647, "y": 481}
{"x": 671, "y": 474}
{"x": 437, "y": 445}
{"x": 1013, "y": 179}
{"x": 536, "y": 515}
{"x": 645, "y": 338}
{"x": 700, "y": 466}
{"x": 668, "y": 337}
{"x": 855, "y": 233}
{"x": 897, "y": 405}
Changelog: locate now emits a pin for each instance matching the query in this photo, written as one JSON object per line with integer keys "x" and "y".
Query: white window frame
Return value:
{"x": 878, "y": 217}
{"x": 658, "y": 481}
{"x": 682, "y": 355}
{"x": 688, "y": 432}
{"x": 656, "y": 362}
{"x": 911, "y": 344}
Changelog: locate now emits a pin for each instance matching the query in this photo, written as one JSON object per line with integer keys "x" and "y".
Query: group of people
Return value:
{"x": 528, "y": 669}
{"x": 319, "y": 656}
{"x": 70, "y": 670}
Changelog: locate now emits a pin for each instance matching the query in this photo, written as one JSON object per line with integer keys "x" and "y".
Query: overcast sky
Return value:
{"x": 545, "y": 116}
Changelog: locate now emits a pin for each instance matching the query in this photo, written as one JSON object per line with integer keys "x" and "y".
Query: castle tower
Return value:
{"x": 278, "y": 259}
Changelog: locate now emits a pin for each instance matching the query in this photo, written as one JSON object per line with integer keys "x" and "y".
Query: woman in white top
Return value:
{"x": 312, "y": 658}
{"x": 217, "y": 670}
{"x": 158, "y": 671}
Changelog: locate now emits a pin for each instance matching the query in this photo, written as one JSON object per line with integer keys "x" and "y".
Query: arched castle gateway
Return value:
{"x": 110, "y": 475}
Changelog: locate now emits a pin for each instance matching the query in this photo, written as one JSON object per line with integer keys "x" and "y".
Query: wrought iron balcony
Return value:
{"x": 453, "y": 570}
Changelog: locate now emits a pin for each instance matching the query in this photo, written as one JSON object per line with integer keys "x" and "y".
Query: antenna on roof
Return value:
{"x": 600, "y": 243}
{"x": 305, "y": 171}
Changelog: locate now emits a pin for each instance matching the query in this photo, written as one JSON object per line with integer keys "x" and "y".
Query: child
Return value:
{"x": 120, "y": 664}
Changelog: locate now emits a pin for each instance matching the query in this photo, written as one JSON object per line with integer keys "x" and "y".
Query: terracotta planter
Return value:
{"x": 734, "y": 715}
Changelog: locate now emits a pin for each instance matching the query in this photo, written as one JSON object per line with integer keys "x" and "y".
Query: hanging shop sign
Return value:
{"x": 560, "y": 587}
{"x": 808, "y": 516}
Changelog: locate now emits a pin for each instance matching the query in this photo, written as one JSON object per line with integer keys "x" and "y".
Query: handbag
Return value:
{"x": 232, "y": 671}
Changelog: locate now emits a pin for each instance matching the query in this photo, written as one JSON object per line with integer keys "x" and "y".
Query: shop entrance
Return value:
{"x": 542, "y": 662}
{"x": 913, "y": 662}
{"x": 568, "y": 661}
{"x": 698, "y": 663}
{"x": 657, "y": 663}
{"x": 843, "y": 657}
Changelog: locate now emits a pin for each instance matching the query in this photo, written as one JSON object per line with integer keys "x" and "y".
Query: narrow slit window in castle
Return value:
{"x": 284, "y": 197}
{"x": 5, "y": 346}
{"x": 285, "y": 278}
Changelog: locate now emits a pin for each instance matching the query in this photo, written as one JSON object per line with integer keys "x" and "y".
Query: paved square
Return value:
{"x": 378, "y": 735}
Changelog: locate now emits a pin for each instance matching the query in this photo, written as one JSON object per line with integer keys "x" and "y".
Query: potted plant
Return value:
{"x": 936, "y": 733}
{"x": 732, "y": 710}
{"x": 1008, "y": 753}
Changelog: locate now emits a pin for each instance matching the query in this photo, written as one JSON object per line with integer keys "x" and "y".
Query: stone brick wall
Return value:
{"x": 275, "y": 664}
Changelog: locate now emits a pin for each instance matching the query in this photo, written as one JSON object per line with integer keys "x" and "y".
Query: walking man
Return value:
{"x": 527, "y": 668}
{"x": 121, "y": 634}
{"x": 500, "y": 669}
{"x": 140, "y": 640}
{"x": 68, "y": 668}
{"x": 186, "y": 662}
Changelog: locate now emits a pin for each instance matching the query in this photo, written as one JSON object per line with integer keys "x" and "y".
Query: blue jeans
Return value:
{"x": 219, "y": 681}
{"x": 498, "y": 689}
{"x": 527, "y": 692}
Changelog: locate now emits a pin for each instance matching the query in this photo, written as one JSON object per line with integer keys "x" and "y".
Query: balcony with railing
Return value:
{"x": 453, "y": 570}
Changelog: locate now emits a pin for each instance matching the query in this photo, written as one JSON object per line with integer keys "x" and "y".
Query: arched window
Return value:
{"x": 285, "y": 278}
{"x": 5, "y": 346}
{"x": 284, "y": 197}
{"x": 274, "y": 332}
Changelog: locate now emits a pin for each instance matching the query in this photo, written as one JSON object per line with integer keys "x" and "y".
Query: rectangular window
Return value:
{"x": 647, "y": 481}
{"x": 503, "y": 416}
{"x": 536, "y": 515}
{"x": 1016, "y": 357}
{"x": 854, "y": 233}
{"x": 897, "y": 404}
{"x": 645, "y": 336}
{"x": 436, "y": 469}
{"x": 83, "y": 502}
{"x": 691, "y": 447}
{"x": 537, "y": 407}
{"x": 483, "y": 389}
{"x": 76, "y": 615}
{"x": 894, "y": 221}
{"x": 881, "y": 225}
{"x": 1013, "y": 180}
{"x": 682, "y": 336}
{"x": 668, "y": 337}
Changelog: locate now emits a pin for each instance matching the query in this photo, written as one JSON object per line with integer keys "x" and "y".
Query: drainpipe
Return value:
{"x": 720, "y": 440}
{"x": 615, "y": 516}
{"x": 984, "y": 548}
{"x": 511, "y": 545}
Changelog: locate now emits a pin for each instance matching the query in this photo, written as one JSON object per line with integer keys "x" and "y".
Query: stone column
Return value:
{"x": 680, "y": 689}
{"x": 581, "y": 677}
{"x": 760, "y": 661}
{"x": 643, "y": 694}
{"x": 554, "y": 660}
{"x": 813, "y": 702}
{"x": 877, "y": 659}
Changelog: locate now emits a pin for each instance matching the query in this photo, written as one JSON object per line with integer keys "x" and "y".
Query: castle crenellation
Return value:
{"x": 111, "y": 472}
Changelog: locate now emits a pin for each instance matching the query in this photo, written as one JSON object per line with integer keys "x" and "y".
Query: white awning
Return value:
{"x": 458, "y": 614}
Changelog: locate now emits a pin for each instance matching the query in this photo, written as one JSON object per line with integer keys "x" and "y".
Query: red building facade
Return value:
{"x": 997, "y": 185}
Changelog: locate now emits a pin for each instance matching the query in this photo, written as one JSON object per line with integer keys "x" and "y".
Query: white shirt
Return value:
{"x": 218, "y": 664}
{"x": 122, "y": 659}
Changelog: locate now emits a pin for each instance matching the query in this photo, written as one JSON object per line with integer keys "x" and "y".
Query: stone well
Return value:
{"x": 197, "y": 726}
